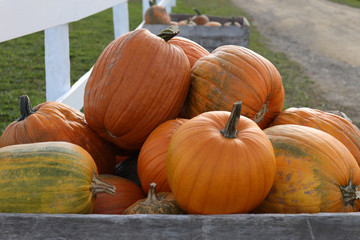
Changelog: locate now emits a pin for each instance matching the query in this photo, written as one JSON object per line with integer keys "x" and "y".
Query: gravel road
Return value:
{"x": 323, "y": 37}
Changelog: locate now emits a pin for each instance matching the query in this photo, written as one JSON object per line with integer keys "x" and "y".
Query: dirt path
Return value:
{"x": 323, "y": 37}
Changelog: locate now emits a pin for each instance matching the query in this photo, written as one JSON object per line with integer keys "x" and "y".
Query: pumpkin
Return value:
{"x": 314, "y": 173}
{"x": 199, "y": 18}
{"x": 232, "y": 22}
{"x": 48, "y": 177}
{"x": 55, "y": 121}
{"x": 186, "y": 22}
{"x": 220, "y": 163}
{"x": 152, "y": 156}
{"x": 230, "y": 73}
{"x": 335, "y": 125}
{"x": 138, "y": 82}
{"x": 156, "y": 14}
{"x": 126, "y": 194}
{"x": 153, "y": 205}
{"x": 193, "y": 50}
{"x": 213, "y": 24}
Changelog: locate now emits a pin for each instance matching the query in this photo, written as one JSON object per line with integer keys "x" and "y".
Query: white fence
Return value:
{"x": 22, "y": 17}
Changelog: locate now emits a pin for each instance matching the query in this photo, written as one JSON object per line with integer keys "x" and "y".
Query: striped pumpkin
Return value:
{"x": 48, "y": 177}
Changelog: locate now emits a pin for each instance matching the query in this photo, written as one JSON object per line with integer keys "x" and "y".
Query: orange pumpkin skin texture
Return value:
{"x": 138, "y": 82}
{"x": 231, "y": 73}
{"x": 338, "y": 127}
{"x": 152, "y": 156}
{"x": 54, "y": 121}
{"x": 156, "y": 14}
{"x": 193, "y": 50}
{"x": 311, "y": 165}
{"x": 211, "y": 174}
{"x": 125, "y": 195}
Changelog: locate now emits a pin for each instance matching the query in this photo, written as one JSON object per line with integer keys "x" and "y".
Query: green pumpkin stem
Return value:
{"x": 25, "y": 108}
{"x": 152, "y": 3}
{"x": 169, "y": 33}
{"x": 197, "y": 11}
{"x": 151, "y": 198}
{"x": 230, "y": 130}
{"x": 99, "y": 186}
{"x": 350, "y": 193}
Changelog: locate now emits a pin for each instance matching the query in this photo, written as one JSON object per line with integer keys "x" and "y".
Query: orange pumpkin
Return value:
{"x": 200, "y": 19}
{"x": 152, "y": 156}
{"x": 338, "y": 127}
{"x": 213, "y": 24}
{"x": 125, "y": 195}
{"x": 193, "y": 50}
{"x": 55, "y": 121}
{"x": 230, "y": 73}
{"x": 314, "y": 173}
{"x": 218, "y": 164}
{"x": 138, "y": 82}
{"x": 156, "y": 14}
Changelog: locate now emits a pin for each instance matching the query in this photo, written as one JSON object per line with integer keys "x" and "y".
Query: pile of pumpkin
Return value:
{"x": 197, "y": 132}
{"x": 157, "y": 14}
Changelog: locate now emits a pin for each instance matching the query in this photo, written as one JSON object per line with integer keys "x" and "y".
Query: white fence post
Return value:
{"x": 57, "y": 61}
{"x": 121, "y": 19}
{"x": 145, "y": 5}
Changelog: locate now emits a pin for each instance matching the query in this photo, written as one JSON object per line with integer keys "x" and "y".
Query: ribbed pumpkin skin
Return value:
{"x": 211, "y": 174}
{"x": 193, "y": 50}
{"x": 156, "y": 15}
{"x": 54, "y": 121}
{"x": 126, "y": 194}
{"x": 310, "y": 167}
{"x": 338, "y": 127}
{"x": 231, "y": 73}
{"x": 152, "y": 156}
{"x": 138, "y": 82}
{"x": 47, "y": 177}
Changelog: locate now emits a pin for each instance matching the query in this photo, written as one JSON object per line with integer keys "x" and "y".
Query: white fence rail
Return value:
{"x": 22, "y": 17}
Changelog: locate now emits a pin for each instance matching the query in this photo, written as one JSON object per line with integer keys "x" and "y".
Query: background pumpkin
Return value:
{"x": 48, "y": 177}
{"x": 152, "y": 156}
{"x": 138, "y": 82}
{"x": 218, "y": 164}
{"x": 338, "y": 127}
{"x": 314, "y": 173}
{"x": 126, "y": 194}
{"x": 156, "y": 14}
{"x": 231, "y": 73}
{"x": 200, "y": 19}
{"x": 54, "y": 121}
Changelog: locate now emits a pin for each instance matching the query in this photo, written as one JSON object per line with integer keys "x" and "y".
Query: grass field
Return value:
{"x": 22, "y": 59}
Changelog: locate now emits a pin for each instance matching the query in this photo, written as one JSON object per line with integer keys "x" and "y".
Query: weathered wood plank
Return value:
{"x": 237, "y": 226}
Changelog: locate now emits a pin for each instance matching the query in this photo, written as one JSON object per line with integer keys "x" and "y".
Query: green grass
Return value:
{"x": 351, "y": 3}
{"x": 22, "y": 59}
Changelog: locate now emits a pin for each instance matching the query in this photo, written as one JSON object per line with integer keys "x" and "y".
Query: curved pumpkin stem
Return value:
{"x": 152, "y": 3}
{"x": 230, "y": 130}
{"x": 25, "y": 108}
{"x": 99, "y": 186}
{"x": 169, "y": 33}
{"x": 197, "y": 11}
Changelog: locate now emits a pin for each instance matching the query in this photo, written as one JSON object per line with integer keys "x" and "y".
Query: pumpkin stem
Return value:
{"x": 230, "y": 130}
{"x": 152, "y": 3}
{"x": 350, "y": 193}
{"x": 99, "y": 186}
{"x": 25, "y": 108}
{"x": 169, "y": 33}
{"x": 197, "y": 11}
{"x": 232, "y": 20}
{"x": 151, "y": 198}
